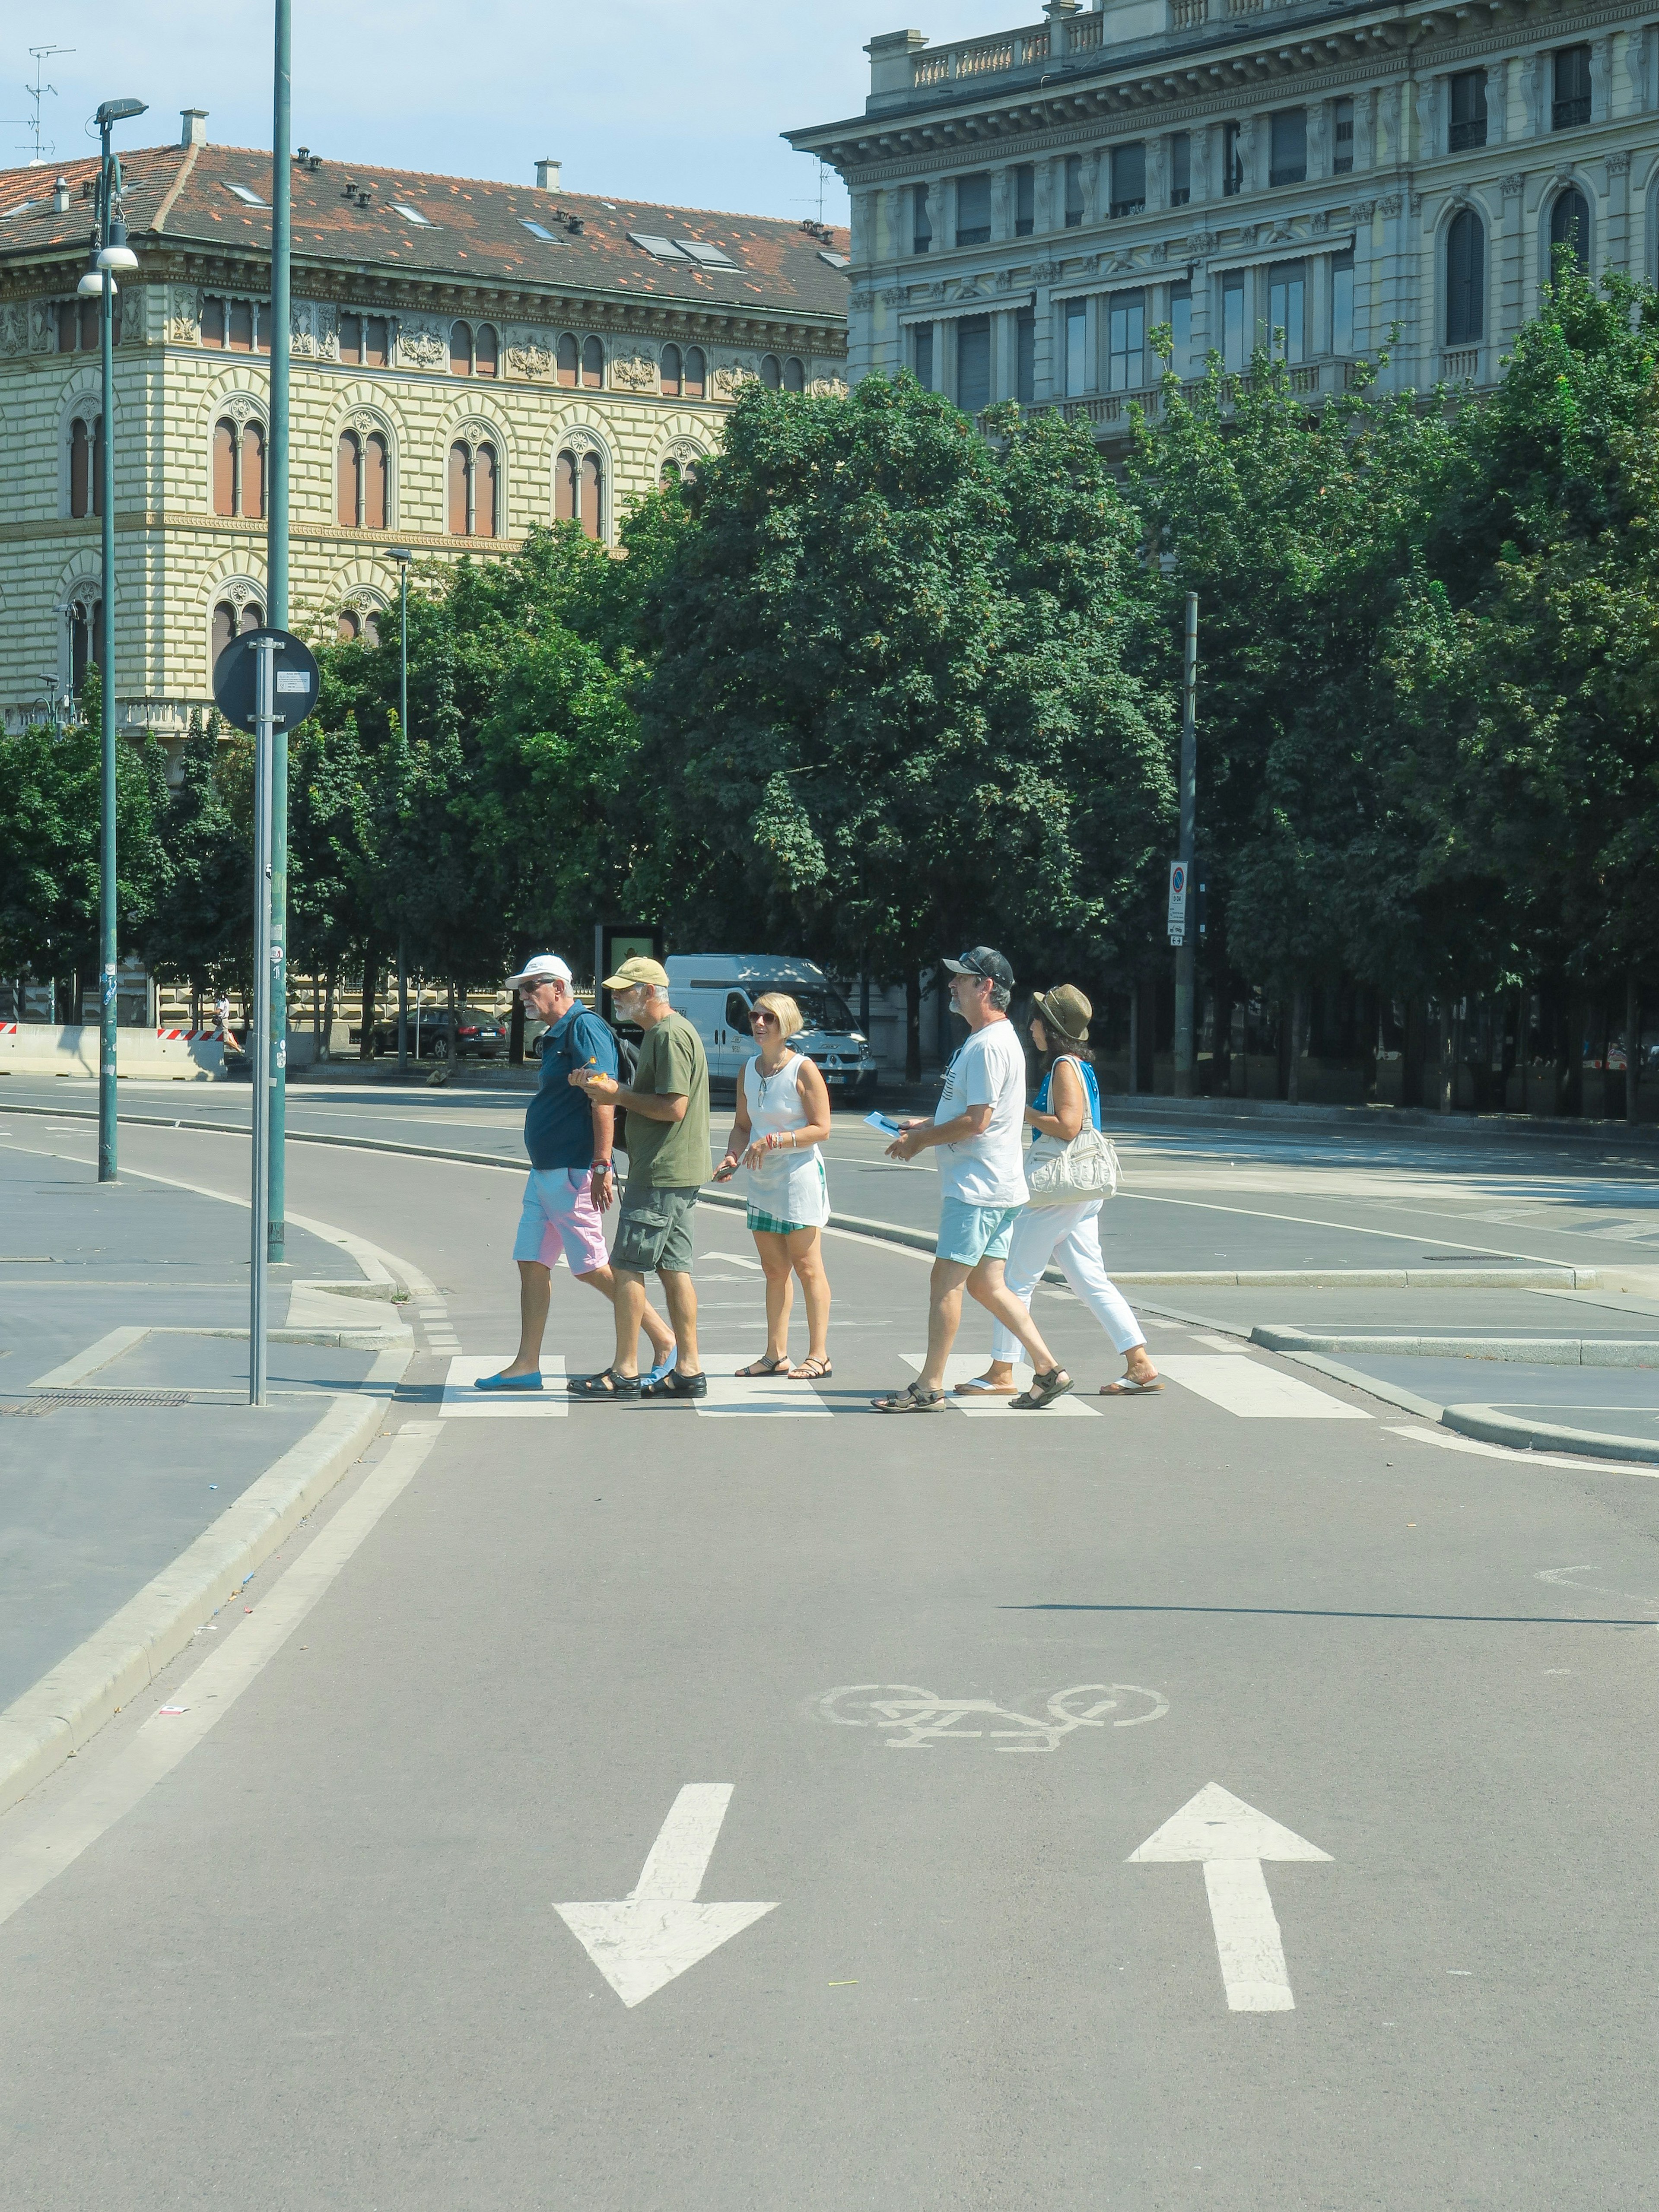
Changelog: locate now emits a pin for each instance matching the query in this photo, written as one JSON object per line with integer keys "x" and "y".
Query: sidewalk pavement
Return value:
{"x": 127, "y": 1447}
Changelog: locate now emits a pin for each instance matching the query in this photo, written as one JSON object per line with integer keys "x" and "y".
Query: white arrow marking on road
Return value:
{"x": 658, "y": 1929}
{"x": 1232, "y": 1839}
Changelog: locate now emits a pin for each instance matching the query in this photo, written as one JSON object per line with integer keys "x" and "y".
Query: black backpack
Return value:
{"x": 628, "y": 1063}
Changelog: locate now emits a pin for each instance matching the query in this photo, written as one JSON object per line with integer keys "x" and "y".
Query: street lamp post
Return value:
{"x": 1186, "y": 993}
{"x": 274, "y": 1102}
{"x": 112, "y": 252}
{"x": 403, "y": 557}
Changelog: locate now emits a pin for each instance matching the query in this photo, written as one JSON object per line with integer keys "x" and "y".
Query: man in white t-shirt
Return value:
{"x": 977, "y": 1128}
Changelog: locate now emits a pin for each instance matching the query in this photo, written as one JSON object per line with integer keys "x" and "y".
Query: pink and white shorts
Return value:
{"x": 559, "y": 1215}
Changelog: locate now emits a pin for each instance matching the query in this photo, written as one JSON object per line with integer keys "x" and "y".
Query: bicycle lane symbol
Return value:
{"x": 915, "y": 1719}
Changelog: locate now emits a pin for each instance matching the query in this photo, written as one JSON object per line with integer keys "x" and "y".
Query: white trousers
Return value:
{"x": 1069, "y": 1235}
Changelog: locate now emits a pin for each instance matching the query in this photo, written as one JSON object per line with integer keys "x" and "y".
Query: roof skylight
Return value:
{"x": 538, "y": 230}
{"x": 248, "y": 197}
{"x": 21, "y": 208}
{"x": 664, "y": 248}
{"x": 835, "y": 260}
{"x": 710, "y": 256}
{"x": 413, "y": 215}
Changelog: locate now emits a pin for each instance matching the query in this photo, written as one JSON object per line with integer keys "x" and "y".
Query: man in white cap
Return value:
{"x": 568, "y": 1136}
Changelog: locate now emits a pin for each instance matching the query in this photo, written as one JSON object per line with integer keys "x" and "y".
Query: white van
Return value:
{"x": 715, "y": 992}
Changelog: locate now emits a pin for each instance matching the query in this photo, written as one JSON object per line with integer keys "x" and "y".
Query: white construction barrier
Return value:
{"x": 156, "y": 1056}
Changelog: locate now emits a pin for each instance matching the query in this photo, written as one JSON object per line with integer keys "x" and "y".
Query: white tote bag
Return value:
{"x": 1060, "y": 1174}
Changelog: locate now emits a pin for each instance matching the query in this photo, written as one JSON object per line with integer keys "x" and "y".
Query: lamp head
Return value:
{"x": 91, "y": 286}
{"x": 400, "y": 553}
{"x": 121, "y": 111}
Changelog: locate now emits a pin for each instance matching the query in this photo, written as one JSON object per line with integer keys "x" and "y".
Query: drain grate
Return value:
{"x": 120, "y": 1398}
{"x": 22, "y": 1412}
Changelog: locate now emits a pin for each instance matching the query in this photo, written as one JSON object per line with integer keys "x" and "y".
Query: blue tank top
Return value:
{"x": 1092, "y": 1089}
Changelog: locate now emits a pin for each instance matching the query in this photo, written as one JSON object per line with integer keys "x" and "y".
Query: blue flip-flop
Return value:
{"x": 657, "y": 1373}
{"x": 508, "y": 1382}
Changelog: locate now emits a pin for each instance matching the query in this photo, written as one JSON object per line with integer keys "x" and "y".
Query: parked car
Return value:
{"x": 477, "y": 1035}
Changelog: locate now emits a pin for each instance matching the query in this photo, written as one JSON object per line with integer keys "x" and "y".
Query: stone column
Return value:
{"x": 1318, "y": 140}
{"x": 1512, "y": 249}
{"x": 1496, "y": 75}
{"x": 1367, "y": 333}
{"x": 1600, "y": 78}
{"x": 1002, "y": 222}
{"x": 1004, "y": 355}
{"x": 1043, "y": 335}
{"x": 1427, "y": 121}
{"x": 1317, "y": 335}
{"x": 1616, "y": 221}
{"x": 1364, "y": 130}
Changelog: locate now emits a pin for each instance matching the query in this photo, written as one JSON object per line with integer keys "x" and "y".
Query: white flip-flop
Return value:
{"x": 977, "y": 1387}
{"x": 1128, "y": 1387}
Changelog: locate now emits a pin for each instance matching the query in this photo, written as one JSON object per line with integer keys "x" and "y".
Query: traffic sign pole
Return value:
{"x": 277, "y": 614}
{"x": 259, "y": 1251}
{"x": 1186, "y": 995}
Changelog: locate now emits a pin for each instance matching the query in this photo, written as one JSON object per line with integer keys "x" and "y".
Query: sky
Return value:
{"x": 679, "y": 101}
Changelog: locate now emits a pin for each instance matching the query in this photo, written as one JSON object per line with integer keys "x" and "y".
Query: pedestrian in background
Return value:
{"x": 572, "y": 1179}
{"x": 977, "y": 1131}
{"x": 1067, "y": 1096}
{"x": 667, "y": 1104}
{"x": 781, "y": 1118}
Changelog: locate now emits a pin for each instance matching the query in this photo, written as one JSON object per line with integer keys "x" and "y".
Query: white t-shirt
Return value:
{"x": 989, "y": 1070}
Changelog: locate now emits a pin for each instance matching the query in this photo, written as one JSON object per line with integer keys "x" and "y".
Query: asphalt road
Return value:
{"x": 954, "y": 1674}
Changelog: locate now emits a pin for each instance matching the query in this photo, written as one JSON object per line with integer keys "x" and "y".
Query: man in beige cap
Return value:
{"x": 667, "y": 1145}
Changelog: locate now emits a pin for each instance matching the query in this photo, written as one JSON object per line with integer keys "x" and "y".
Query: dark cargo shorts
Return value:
{"x": 654, "y": 1231}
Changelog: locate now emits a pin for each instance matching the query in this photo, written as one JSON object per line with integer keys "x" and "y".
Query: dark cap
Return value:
{"x": 982, "y": 960}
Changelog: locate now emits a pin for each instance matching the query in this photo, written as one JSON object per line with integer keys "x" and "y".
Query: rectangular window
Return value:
{"x": 1468, "y": 111}
{"x": 921, "y": 223}
{"x": 1571, "y": 106}
{"x": 1342, "y": 137}
{"x": 1232, "y": 322}
{"x": 1129, "y": 179}
{"x": 374, "y": 342}
{"x": 1288, "y": 162}
{"x": 1025, "y": 357}
{"x": 974, "y": 363}
{"x": 1075, "y": 316}
{"x": 1126, "y": 341}
{"x": 1232, "y": 161}
{"x": 1074, "y": 191}
{"x": 1024, "y": 200}
{"x": 351, "y": 341}
{"x": 974, "y": 209}
{"x": 922, "y": 344}
{"x": 1342, "y": 303}
{"x": 1181, "y": 329}
{"x": 1287, "y": 294}
{"x": 1180, "y": 167}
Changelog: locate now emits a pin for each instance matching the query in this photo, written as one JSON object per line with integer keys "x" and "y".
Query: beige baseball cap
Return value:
{"x": 638, "y": 969}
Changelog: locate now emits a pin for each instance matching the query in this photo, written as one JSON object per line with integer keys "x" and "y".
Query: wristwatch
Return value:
{"x": 601, "y": 1167}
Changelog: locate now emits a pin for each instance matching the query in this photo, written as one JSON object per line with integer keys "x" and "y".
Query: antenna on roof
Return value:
{"x": 42, "y": 152}
{"x": 825, "y": 174}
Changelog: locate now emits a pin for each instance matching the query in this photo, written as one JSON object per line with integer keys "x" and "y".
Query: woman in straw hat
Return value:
{"x": 783, "y": 1115}
{"x": 1069, "y": 1234}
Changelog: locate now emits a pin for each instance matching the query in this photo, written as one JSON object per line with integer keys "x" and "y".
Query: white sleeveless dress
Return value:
{"x": 789, "y": 1189}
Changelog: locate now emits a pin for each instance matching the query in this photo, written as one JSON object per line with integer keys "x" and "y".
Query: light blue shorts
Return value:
{"x": 968, "y": 1234}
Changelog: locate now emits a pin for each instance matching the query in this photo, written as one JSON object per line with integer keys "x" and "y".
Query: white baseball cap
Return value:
{"x": 541, "y": 968}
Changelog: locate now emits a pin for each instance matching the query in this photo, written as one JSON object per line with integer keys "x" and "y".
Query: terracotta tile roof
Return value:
{"x": 477, "y": 230}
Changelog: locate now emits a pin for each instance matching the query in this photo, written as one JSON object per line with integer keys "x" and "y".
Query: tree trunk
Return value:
{"x": 1135, "y": 1038}
{"x": 316, "y": 1017}
{"x": 864, "y": 1000}
{"x": 1299, "y": 1030}
{"x": 1221, "y": 1042}
{"x": 1633, "y": 1046}
{"x": 370, "y": 1002}
{"x": 453, "y": 1054}
{"x": 515, "y": 1033}
{"x": 1411, "y": 1073}
{"x": 913, "y": 1024}
{"x": 328, "y": 994}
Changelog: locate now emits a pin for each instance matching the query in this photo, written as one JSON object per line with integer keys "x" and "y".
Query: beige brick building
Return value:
{"x": 470, "y": 360}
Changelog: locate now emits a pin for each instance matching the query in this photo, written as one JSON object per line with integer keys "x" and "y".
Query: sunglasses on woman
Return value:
{"x": 761, "y": 1016}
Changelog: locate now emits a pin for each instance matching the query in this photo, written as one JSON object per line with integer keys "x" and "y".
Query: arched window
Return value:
{"x": 577, "y": 490}
{"x": 1569, "y": 226}
{"x": 669, "y": 374}
{"x": 85, "y": 467}
{"x": 1465, "y": 279}
{"x": 794, "y": 376}
{"x": 473, "y": 491}
{"x": 253, "y": 472}
{"x": 669, "y": 474}
{"x": 348, "y": 479}
{"x": 213, "y": 323}
{"x": 228, "y": 623}
{"x": 461, "y": 350}
{"x": 592, "y": 364}
{"x": 351, "y": 341}
{"x": 486, "y": 351}
{"x": 224, "y": 468}
{"x": 241, "y": 326}
{"x": 376, "y": 473}
{"x": 568, "y": 359}
{"x": 347, "y": 625}
{"x": 771, "y": 374}
{"x": 695, "y": 374}
{"x": 83, "y": 622}
{"x": 238, "y": 469}
{"x": 371, "y": 628}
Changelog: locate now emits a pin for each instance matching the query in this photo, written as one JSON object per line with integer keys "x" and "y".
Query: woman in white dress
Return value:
{"x": 782, "y": 1116}
{"x": 1067, "y": 1096}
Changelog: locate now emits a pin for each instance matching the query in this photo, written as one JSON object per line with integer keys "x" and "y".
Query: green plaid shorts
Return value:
{"x": 769, "y": 1225}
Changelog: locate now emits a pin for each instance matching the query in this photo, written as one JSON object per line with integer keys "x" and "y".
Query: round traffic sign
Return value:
{"x": 294, "y": 679}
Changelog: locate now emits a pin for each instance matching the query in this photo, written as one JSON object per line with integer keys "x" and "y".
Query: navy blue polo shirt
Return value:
{"x": 558, "y": 1127}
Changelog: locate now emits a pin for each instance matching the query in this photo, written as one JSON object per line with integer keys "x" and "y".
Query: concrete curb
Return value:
{"x": 51, "y": 1721}
{"x": 1536, "y": 1351}
{"x": 1491, "y": 1427}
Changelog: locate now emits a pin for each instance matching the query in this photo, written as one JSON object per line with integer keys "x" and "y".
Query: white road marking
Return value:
{"x": 1220, "y": 1343}
{"x": 1448, "y": 1440}
{"x": 89, "y": 1361}
{"x": 1253, "y": 1391}
{"x": 737, "y": 1259}
{"x": 916, "y": 1718}
{"x": 461, "y": 1402}
{"x": 32, "y": 1855}
{"x": 761, "y": 1393}
{"x": 1231, "y": 1838}
{"x": 961, "y": 1366}
{"x": 641, "y": 1941}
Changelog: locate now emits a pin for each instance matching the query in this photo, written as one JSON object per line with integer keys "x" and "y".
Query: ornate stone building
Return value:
{"x": 470, "y": 359}
{"x": 1316, "y": 175}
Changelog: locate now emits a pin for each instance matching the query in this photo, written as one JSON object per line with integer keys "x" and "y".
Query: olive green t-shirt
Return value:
{"x": 671, "y": 1155}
